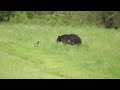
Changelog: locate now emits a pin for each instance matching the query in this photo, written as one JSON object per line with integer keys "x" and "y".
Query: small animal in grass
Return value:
{"x": 37, "y": 44}
{"x": 71, "y": 39}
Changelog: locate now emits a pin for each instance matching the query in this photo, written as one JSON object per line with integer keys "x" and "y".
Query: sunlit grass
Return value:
{"x": 97, "y": 57}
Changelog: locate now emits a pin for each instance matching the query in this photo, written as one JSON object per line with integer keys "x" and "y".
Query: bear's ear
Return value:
{"x": 58, "y": 36}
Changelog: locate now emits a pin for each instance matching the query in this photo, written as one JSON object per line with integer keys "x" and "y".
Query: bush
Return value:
{"x": 5, "y": 15}
{"x": 19, "y": 17}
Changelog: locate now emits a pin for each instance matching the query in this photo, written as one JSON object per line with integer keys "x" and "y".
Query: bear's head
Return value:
{"x": 59, "y": 39}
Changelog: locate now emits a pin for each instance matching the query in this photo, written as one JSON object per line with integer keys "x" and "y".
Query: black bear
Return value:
{"x": 71, "y": 39}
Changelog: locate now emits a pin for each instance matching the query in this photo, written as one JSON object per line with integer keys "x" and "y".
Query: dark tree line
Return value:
{"x": 108, "y": 19}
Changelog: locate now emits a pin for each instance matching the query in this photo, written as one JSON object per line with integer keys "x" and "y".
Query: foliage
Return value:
{"x": 65, "y": 18}
{"x": 5, "y": 15}
{"x": 19, "y": 17}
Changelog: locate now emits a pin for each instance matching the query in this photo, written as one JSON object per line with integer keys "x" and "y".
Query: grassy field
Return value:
{"x": 97, "y": 58}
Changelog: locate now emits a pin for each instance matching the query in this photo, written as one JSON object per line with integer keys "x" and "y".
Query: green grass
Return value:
{"x": 98, "y": 56}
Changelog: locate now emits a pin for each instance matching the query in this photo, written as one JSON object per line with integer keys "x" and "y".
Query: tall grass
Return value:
{"x": 97, "y": 57}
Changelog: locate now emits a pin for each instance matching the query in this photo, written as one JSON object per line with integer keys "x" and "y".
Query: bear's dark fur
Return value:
{"x": 71, "y": 39}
